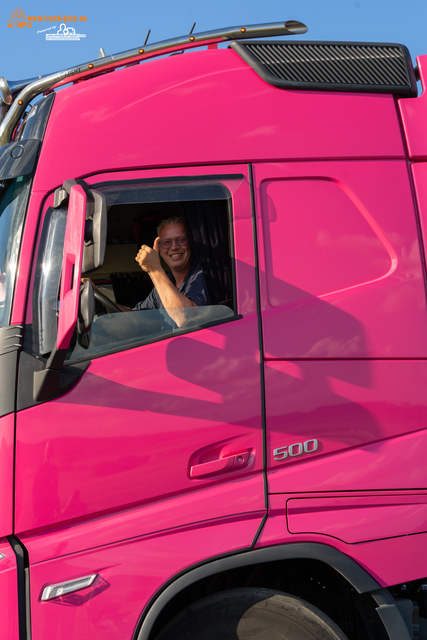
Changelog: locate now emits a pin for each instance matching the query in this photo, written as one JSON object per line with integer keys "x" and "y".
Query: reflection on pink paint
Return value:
{"x": 287, "y": 367}
{"x": 378, "y": 232}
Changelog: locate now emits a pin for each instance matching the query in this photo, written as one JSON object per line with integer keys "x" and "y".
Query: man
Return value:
{"x": 184, "y": 285}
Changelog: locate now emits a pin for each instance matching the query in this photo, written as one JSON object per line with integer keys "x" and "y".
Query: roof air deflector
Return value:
{"x": 332, "y": 66}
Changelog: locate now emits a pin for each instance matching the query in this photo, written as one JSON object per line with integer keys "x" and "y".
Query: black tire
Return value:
{"x": 251, "y": 614}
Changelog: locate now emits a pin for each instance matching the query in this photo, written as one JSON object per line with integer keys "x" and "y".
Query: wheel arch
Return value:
{"x": 354, "y": 574}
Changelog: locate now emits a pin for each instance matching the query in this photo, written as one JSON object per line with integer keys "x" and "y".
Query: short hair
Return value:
{"x": 173, "y": 220}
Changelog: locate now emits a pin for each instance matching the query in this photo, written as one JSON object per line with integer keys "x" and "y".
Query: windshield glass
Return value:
{"x": 13, "y": 200}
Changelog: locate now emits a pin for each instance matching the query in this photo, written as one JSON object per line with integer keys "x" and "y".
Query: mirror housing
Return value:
{"x": 95, "y": 232}
{"x": 86, "y": 308}
{"x": 95, "y": 239}
{"x": 84, "y": 249}
{"x": 50, "y": 380}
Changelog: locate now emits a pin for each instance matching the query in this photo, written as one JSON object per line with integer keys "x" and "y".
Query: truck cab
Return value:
{"x": 262, "y": 458}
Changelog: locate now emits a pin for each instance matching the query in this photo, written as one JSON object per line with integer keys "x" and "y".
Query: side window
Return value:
{"x": 195, "y": 255}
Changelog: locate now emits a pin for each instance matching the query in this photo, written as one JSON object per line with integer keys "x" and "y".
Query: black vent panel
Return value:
{"x": 338, "y": 66}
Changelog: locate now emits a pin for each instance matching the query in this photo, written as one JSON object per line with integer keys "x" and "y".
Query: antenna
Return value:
{"x": 146, "y": 39}
{"x": 101, "y": 53}
{"x": 192, "y": 28}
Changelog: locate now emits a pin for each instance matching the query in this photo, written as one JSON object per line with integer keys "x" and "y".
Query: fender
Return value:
{"x": 359, "y": 579}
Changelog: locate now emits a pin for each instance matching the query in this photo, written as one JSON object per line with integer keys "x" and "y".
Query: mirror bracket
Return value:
{"x": 54, "y": 381}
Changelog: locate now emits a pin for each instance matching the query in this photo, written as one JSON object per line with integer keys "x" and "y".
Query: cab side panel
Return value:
{"x": 209, "y": 107}
{"x": 129, "y": 573}
{"x": 345, "y": 338}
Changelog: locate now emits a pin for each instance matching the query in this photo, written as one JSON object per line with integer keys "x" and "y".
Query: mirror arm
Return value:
{"x": 55, "y": 380}
{"x": 63, "y": 193}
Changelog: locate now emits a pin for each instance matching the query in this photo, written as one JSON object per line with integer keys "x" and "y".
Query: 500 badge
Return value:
{"x": 297, "y": 449}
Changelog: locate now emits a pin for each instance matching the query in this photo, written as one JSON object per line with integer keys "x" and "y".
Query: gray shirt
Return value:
{"x": 193, "y": 287}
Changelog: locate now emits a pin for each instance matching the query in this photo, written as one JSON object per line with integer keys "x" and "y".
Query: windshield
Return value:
{"x": 13, "y": 200}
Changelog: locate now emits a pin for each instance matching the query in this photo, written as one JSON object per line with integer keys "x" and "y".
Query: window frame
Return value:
{"x": 175, "y": 180}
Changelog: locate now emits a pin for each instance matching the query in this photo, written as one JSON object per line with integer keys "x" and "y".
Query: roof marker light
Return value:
{"x": 90, "y": 66}
{"x": 29, "y": 89}
{"x": 141, "y": 51}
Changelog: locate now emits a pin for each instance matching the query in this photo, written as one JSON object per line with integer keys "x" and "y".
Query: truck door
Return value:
{"x": 344, "y": 326}
{"x": 163, "y": 428}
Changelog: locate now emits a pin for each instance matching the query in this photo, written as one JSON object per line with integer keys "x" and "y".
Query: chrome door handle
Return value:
{"x": 235, "y": 461}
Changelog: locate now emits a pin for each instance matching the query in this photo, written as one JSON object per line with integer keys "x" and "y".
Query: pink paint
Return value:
{"x": 185, "y": 404}
{"x": 131, "y": 569}
{"x": 341, "y": 270}
{"x": 153, "y": 461}
{"x": 347, "y": 405}
{"x": 72, "y": 266}
{"x": 142, "y": 440}
{"x": 7, "y": 426}
{"x": 194, "y": 86}
{"x": 370, "y": 467}
{"x": 354, "y": 518}
{"x": 413, "y": 112}
{"x": 374, "y": 556}
{"x": 9, "y": 592}
{"x": 419, "y": 174}
{"x": 147, "y": 519}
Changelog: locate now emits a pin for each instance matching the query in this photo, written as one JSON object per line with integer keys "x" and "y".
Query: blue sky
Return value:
{"x": 123, "y": 25}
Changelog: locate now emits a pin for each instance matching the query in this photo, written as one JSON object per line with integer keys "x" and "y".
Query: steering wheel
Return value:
{"x": 106, "y": 302}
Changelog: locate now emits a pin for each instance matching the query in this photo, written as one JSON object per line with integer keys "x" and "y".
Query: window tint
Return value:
{"x": 112, "y": 332}
{"x": 13, "y": 202}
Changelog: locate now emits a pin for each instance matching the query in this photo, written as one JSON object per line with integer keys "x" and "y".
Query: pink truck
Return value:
{"x": 258, "y": 469}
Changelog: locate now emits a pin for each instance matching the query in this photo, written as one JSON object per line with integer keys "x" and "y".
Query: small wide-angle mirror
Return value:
{"x": 86, "y": 307}
{"x": 95, "y": 232}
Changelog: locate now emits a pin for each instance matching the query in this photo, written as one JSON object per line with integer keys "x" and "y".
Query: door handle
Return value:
{"x": 236, "y": 461}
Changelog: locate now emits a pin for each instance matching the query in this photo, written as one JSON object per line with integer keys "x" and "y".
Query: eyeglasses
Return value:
{"x": 179, "y": 240}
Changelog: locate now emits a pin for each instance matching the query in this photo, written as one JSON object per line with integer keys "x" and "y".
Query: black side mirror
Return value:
{"x": 95, "y": 232}
{"x": 86, "y": 307}
{"x": 95, "y": 235}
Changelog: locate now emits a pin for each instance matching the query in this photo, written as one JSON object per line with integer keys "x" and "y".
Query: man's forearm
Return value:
{"x": 172, "y": 300}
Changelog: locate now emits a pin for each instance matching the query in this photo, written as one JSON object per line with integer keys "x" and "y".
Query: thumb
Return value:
{"x": 156, "y": 244}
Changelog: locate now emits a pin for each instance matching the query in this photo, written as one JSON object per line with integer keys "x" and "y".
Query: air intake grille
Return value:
{"x": 384, "y": 68}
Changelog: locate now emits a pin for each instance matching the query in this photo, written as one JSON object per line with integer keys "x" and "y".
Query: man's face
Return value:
{"x": 177, "y": 256}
